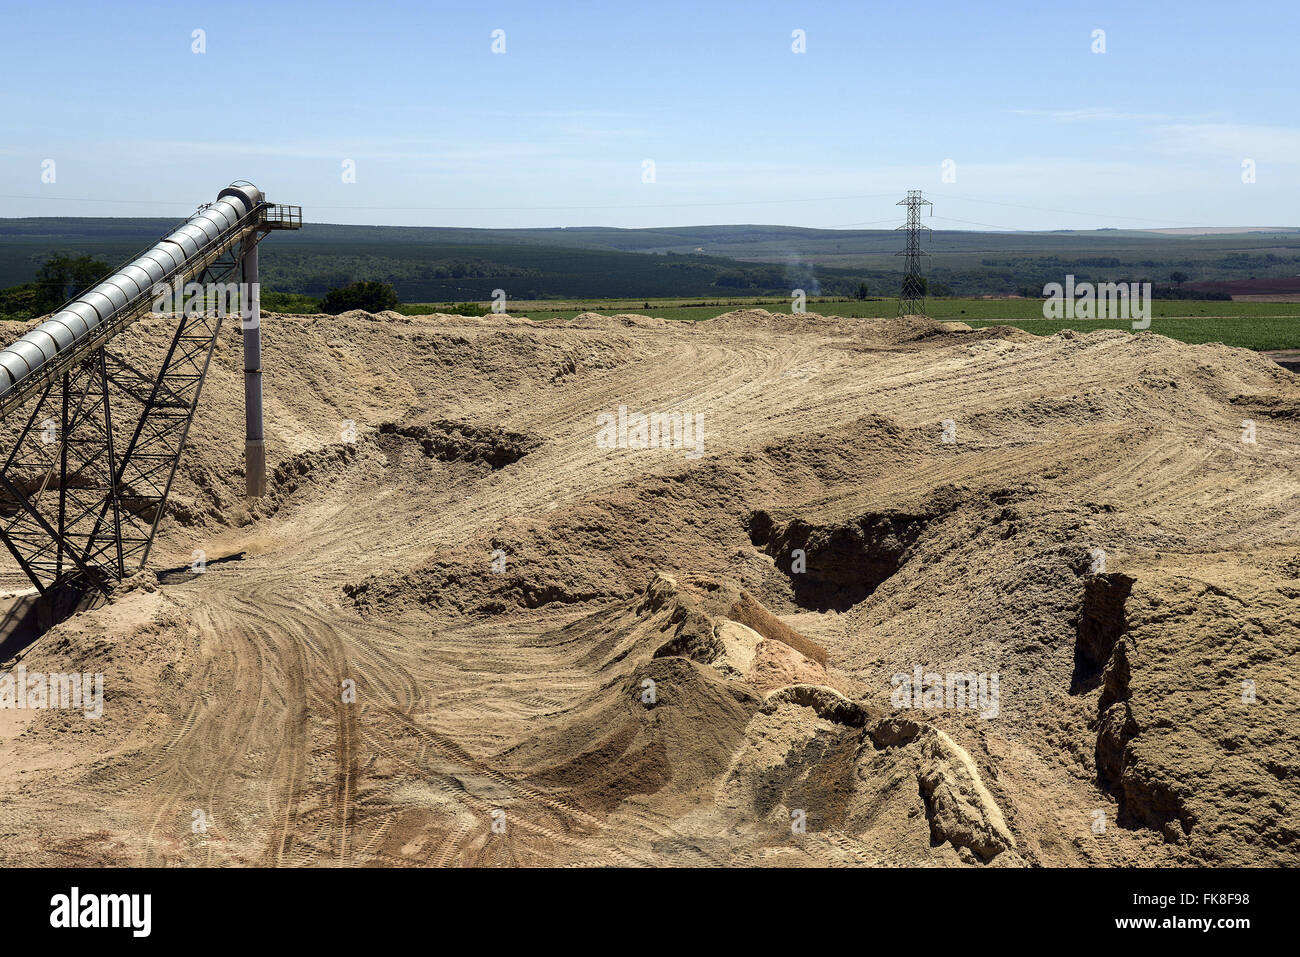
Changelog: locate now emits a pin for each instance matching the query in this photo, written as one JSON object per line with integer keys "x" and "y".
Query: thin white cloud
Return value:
{"x": 1274, "y": 144}
{"x": 338, "y": 151}
{"x": 1092, "y": 113}
{"x": 1193, "y": 135}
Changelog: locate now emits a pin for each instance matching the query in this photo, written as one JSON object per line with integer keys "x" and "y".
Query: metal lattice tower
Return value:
{"x": 86, "y": 475}
{"x": 911, "y": 300}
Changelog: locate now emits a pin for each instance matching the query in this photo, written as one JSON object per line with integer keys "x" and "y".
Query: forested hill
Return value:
{"x": 451, "y": 263}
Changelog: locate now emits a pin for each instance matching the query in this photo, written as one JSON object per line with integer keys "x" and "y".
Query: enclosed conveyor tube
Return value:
{"x": 180, "y": 256}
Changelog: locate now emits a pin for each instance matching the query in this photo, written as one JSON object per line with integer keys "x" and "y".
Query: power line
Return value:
{"x": 654, "y": 206}
{"x": 485, "y": 209}
{"x": 911, "y": 301}
{"x": 1071, "y": 212}
{"x": 745, "y": 202}
{"x": 1013, "y": 229}
{"x": 970, "y": 222}
{"x": 891, "y": 219}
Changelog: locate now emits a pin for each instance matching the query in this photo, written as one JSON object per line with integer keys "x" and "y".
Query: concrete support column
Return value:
{"x": 254, "y": 441}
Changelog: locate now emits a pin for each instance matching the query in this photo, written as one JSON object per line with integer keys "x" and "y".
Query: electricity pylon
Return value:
{"x": 911, "y": 301}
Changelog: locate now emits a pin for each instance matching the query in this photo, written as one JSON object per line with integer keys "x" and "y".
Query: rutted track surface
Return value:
{"x": 228, "y": 693}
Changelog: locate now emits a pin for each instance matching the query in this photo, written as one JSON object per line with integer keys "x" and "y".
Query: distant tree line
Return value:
{"x": 322, "y": 277}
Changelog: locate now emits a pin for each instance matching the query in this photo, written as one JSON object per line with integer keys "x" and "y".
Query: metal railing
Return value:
{"x": 281, "y": 217}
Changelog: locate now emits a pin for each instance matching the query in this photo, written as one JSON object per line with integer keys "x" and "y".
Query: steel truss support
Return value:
{"x": 911, "y": 299}
{"x": 86, "y": 483}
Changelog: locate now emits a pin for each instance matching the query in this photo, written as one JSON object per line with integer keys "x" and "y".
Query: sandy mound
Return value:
{"x": 913, "y": 594}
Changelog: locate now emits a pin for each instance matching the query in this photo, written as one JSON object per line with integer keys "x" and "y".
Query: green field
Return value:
{"x": 1245, "y": 332}
{"x": 962, "y": 309}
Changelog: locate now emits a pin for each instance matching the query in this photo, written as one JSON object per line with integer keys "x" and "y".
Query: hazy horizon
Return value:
{"x": 1173, "y": 230}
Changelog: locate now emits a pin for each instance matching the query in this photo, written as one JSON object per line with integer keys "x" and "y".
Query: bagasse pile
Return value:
{"x": 625, "y": 656}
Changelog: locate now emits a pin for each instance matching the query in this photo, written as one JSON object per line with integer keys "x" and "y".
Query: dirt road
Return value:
{"x": 474, "y": 622}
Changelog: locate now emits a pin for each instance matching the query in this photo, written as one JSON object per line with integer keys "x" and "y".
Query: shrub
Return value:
{"x": 365, "y": 295}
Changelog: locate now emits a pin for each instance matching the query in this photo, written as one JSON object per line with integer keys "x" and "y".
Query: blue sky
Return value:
{"x": 1041, "y": 131}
